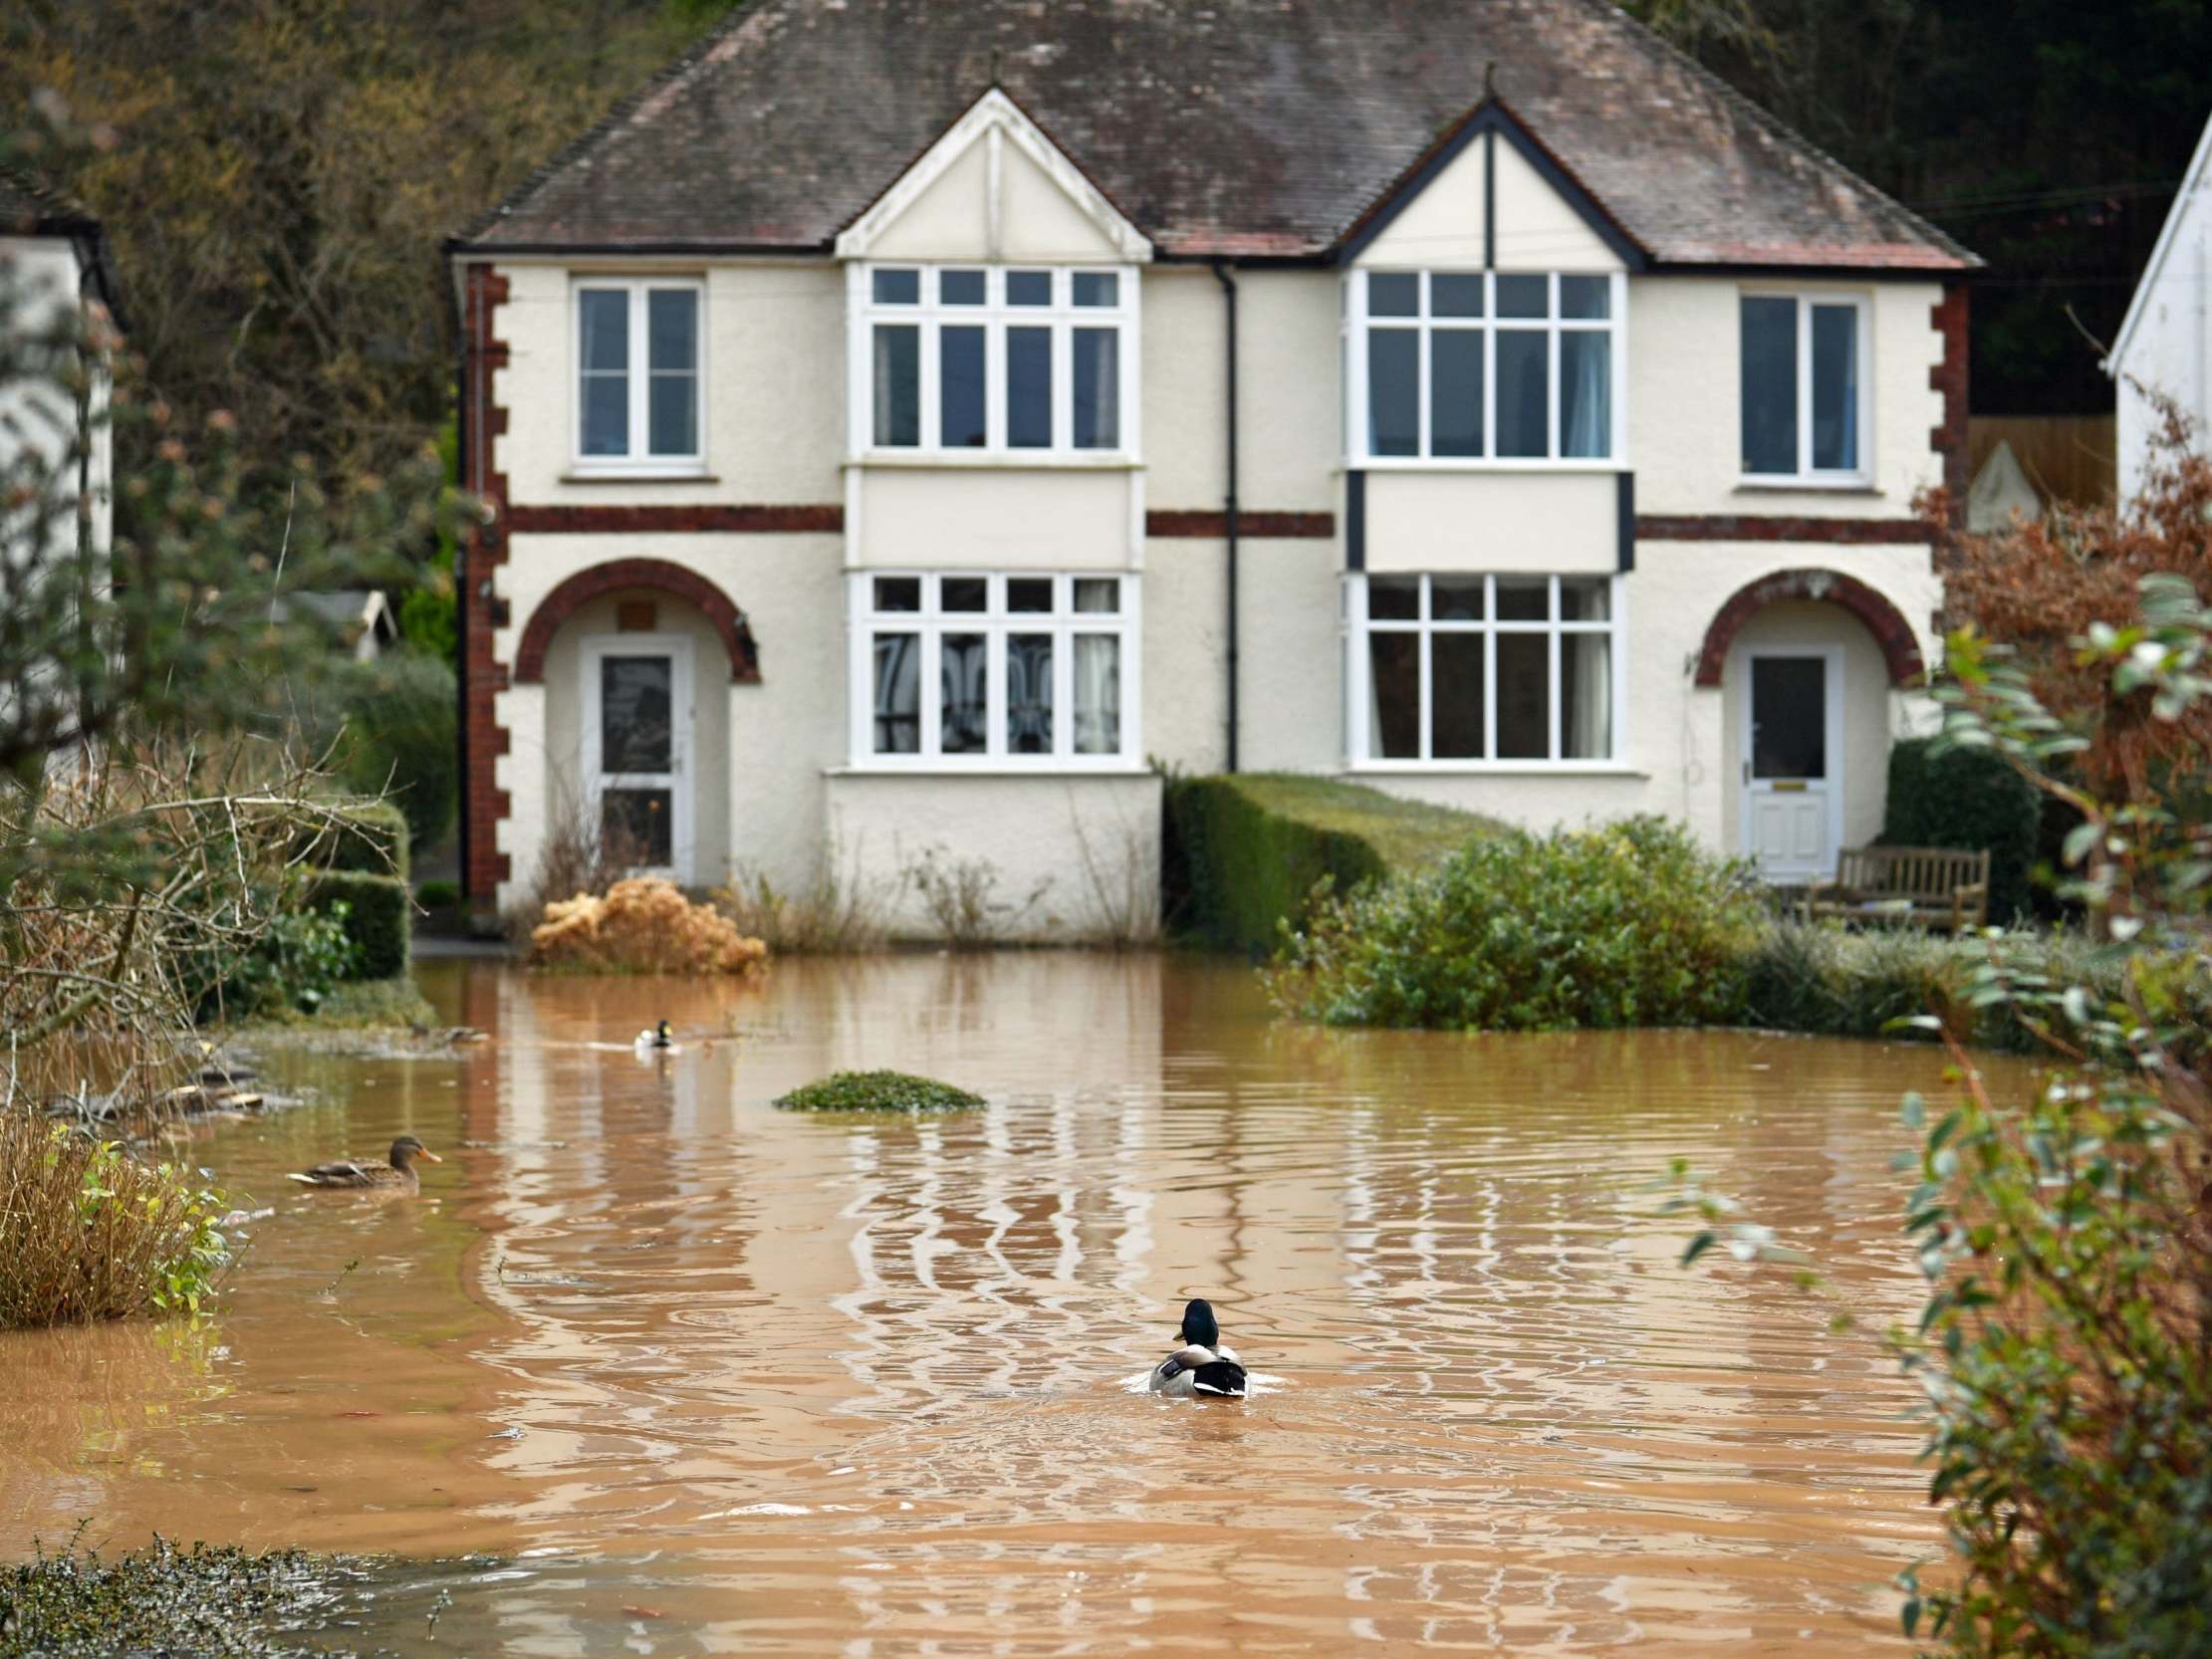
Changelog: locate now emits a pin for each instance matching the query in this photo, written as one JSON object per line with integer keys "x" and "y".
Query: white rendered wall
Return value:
{"x": 1061, "y": 852}
{"x": 1443, "y": 226}
{"x": 774, "y": 432}
{"x": 1685, "y": 391}
{"x": 45, "y": 278}
{"x": 2169, "y": 352}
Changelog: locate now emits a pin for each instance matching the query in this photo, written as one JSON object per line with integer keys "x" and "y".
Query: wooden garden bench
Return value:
{"x": 1930, "y": 887}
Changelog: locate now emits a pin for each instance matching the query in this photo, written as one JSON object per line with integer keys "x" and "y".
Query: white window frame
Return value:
{"x": 1358, "y": 430}
{"x": 639, "y": 462}
{"x": 994, "y": 317}
{"x": 931, "y": 622}
{"x": 1358, "y": 663}
{"x": 1807, "y": 475}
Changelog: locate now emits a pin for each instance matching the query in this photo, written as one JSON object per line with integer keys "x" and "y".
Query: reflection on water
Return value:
{"x": 715, "y": 1377}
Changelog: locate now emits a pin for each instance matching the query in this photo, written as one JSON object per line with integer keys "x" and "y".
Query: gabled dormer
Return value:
{"x": 993, "y": 304}
{"x": 1485, "y": 304}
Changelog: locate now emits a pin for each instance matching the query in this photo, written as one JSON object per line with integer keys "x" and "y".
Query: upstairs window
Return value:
{"x": 1804, "y": 364}
{"x": 980, "y": 669}
{"x": 1470, "y": 366}
{"x": 996, "y": 360}
{"x": 637, "y": 405}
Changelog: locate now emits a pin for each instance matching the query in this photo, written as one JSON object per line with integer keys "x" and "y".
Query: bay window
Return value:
{"x": 639, "y": 369}
{"x": 995, "y": 361}
{"x": 1803, "y": 370}
{"x": 1003, "y": 668}
{"x": 1474, "y": 670}
{"x": 1471, "y": 366}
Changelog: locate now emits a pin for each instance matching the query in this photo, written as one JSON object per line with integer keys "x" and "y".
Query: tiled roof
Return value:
{"x": 1243, "y": 127}
{"x": 30, "y": 208}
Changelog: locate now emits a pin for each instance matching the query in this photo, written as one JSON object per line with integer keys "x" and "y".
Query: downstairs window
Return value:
{"x": 989, "y": 669}
{"x": 1475, "y": 670}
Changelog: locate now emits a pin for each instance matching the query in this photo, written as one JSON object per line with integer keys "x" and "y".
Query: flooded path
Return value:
{"x": 717, "y": 1379}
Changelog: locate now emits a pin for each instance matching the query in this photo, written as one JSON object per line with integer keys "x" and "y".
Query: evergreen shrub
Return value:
{"x": 377, "y": 918}
{"x": 371, "y": 839}
{"x": 1969, "y": 798}
{"x": 1623, "y": 923}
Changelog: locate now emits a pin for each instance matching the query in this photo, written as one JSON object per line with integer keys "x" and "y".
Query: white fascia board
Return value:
{"x": 994, "y": 109}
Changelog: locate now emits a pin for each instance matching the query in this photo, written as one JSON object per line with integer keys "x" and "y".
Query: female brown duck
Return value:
{"x": 397, "y": 1175}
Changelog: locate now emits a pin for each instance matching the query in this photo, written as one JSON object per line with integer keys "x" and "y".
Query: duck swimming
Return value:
{"x": 658, "y": 1039}
{"x": 399, "y": 1174}
{"x": 1202, "y": 1367}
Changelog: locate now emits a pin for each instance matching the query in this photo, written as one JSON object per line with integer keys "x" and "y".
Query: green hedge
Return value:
{"x": 1971, "y": 800}
{"x": 369, "y": 840}
{"x": 1624, "y": 923}
{"x": 379, "y": 917}
{"x": 1243, "y": 852}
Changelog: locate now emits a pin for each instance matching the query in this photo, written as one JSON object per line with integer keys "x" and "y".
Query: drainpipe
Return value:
{"x": 1229, "y": 499}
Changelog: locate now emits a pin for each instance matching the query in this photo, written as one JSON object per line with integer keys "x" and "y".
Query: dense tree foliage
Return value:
{"x": 283, "y": 171}
{"x": 2047, "y": 137}
{"x": 278, "y": 177}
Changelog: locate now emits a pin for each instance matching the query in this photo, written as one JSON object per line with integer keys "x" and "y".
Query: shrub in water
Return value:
{"x": 90, "y": 1231}
{"x": 878, "y": 1091}
{"x": 1627, "y": 923}
{"x": 211, "y": 1602}
{"x": 642, "y": 926}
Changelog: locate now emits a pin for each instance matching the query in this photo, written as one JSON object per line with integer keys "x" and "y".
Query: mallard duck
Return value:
{"x": 1202, "y": 1366}
{"x": 400, "y": 1172}
{"x": 657, "y": 1040}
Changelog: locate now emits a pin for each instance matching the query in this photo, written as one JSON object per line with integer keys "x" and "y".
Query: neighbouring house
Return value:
{"x": 912, "y": 427}
{"x": 360, "y": 622}
{"x": 55, "y": 258}
{"x": 2164, "y": 345}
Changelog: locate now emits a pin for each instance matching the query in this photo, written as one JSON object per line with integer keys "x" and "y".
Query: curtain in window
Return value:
{"x": 1029, "y": 694}
{"x": 965, "y": 676}
{"x": 1097, "y": 691}
{"x": 1586, "y": 394}
{"x": 1586, "y": 663}
{"x": 897, "y": 694}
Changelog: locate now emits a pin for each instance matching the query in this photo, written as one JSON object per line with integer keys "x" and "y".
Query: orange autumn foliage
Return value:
{"x": 2037, "y": 588}
{"x": 642, "y": 926}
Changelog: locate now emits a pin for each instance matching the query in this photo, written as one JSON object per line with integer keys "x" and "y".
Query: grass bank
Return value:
{"x": 1245, "y": 851}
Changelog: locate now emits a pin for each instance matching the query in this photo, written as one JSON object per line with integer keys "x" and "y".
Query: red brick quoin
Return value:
{"x": 1899, "y": 649}
{"x": 483, "y": 739}
{"x": 615, "y": 575}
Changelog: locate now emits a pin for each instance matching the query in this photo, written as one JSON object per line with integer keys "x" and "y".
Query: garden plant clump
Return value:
{"x": 642, "y": 926}
{"x": 1625, "y": 923}
{"x": 208, "y": 1602}
{"x": 89, "y": 1231}
{"x": 878, "y": 1091}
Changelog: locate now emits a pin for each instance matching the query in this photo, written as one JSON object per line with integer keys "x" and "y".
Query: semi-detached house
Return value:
{"x": 909, "y": 425}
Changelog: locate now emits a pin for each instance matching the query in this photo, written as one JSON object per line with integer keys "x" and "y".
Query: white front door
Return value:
{"x": 636, "y": 748}
{"x": 1792, "y": 735}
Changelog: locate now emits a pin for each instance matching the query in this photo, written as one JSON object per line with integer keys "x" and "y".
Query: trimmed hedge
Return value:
{"x": 1244, "y": 850}
{"x": 379, "y": 917}
{"x": 371, "y": 839}
{"x": 1967, "y": 799}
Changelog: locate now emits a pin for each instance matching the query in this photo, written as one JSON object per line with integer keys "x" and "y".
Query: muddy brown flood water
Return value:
{"x": 714, "y": 1378}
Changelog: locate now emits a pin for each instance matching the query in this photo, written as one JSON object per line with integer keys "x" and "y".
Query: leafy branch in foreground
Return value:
{"x": 2064, "y": 1351}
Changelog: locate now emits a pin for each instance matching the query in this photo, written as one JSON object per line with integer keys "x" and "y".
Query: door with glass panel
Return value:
{"x": 1792, "y": 765}
{"x": 636, "y": 749}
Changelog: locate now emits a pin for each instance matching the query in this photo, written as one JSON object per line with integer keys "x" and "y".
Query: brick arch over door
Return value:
{"x": 1901, "y": 649}
{"x": 624, "y": 575}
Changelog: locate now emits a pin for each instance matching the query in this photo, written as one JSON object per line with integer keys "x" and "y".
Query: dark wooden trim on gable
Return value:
{"x": 1492, "y": 115}
{"x": 1625, "y": 522}
{"x": 1355, "y": 520}
{"x": 730, "y": 518}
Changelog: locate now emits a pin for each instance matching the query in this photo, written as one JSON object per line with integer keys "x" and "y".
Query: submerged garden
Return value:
{"x": 1571, "y": 1253}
